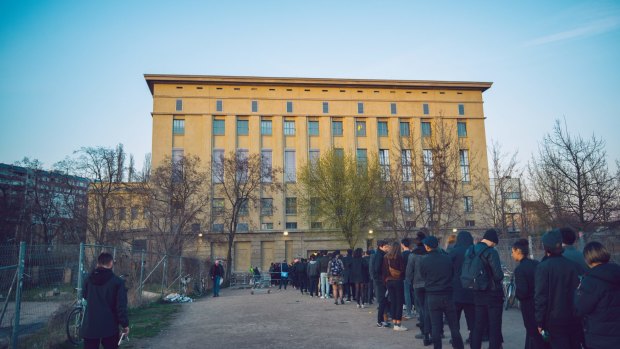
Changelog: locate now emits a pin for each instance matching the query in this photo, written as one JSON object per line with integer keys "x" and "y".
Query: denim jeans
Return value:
{"x": 324, "y": 285}
{"x": 408, "y": 302}
{"x": 438, "y": 305}
{"x": 420, "y": 305}
{"x": 381, "y": 300}
{"x": 313, "y": 287}
{"x": 489, "y": 307}
{"x": 216, "y": 286}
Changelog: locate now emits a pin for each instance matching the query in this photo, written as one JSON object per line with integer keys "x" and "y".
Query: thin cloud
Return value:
{"x": 594, "y": 28}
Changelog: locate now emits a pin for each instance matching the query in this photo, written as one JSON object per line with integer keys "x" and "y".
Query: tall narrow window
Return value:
{"x": 425, "y": 109}
{"x": 384, "y": 162}
{"x": 426, "y": 129}
{"x": 337, "y": 128}
{"x": 265, "y": 163}
{"x": 289, "y": 127}
{"x": 461, "y": 128}
{"x": 218, "y": 207}
{"x": 254, "y": 106}
{"x": 382, "y": 128}
{"x": 404, "y": 129}
{"x": 291, "y": 206}
{"x": 313, "y": 156}
{"x": 468, "y": 203}
{"x": 461, "y": 109}
{"x": 266, "y": 206}
{"x": 393, "y": 108}
{"x": 265, "y": 127}
{"x": 179, "y": 105}
{"x": 360, "y": 108}
{"x": 290, "y": 170}
{"x": 427, "y": 158}
{"x": 405, "y": 160}
{"x": 219, "y": 105}
{"x": 408, "y": 204}
{"x": 242, "y": 165}
{"x": 242, "y": 127}
{"x": 362, "y": 157}
{"x": 360, "y": 128}
{"x": 178, "y": 127}
{"x": 177, "y": 155}
{"x": 219, "y": 127}
{"x": 325, "y": 107}
{"x": 243, "y": 208}
{"x": 313, "y": 128}
{"x": 430, "y": 203}
{"x": 289, "y": 107}
{"x": 464, "y": 157}
{"x": 218, "y": 165}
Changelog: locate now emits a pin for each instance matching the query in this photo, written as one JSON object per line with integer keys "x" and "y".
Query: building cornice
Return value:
{"x": 152, "y": 79}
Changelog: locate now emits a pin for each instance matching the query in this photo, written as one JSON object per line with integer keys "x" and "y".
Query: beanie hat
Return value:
{"x": 431, "y": 242}
{"x": 491, "y": 235}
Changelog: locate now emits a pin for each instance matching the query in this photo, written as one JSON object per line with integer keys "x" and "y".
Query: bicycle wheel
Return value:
{"x": 510, "y": 297}
{"x": 74, "y": 323}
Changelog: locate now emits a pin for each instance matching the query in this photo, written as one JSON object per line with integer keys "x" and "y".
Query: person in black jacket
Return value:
{"x": 323, "y": 261}
{"x": 489, "y": 302}
{"x": 106, "y": 299}
{"x": 598, "y": 299}
{"x": 463, "y": 298}
{"x": 524, "y": 281}
{"x": 313, "y": 274}
{"x": 356, "y": 275}
{"x": 347, "y": 285}
{"x": 437, "y": 272}
{"x": 216, "y": 273}
{"x": 405, "y": 245}
{"x": 377, "y": 277}
{"x": 556, "y": 280}
{"x": 302, "y": 276}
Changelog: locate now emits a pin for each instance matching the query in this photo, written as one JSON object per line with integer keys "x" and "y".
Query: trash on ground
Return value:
{"x": 177, "y": 298}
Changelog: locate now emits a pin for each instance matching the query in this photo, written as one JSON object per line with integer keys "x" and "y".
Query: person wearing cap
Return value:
{"x": 437, "y": 273}
{"x": 489, "y": 302}
{"x": 556, "y": 280}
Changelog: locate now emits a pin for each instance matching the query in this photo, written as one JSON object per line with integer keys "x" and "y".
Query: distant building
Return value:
{"x": 41, "y": 207}
{"x": 290, "y": 121}
{"x": 508, "y": 202}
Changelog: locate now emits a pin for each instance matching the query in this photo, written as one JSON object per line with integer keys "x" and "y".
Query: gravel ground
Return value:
{"x": 286, "y": 319}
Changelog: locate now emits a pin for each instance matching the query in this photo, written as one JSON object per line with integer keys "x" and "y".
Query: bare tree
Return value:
{"x": 131, "y": 170}
{"x": 570, "y": 175}
{"x": 342, "y": 192}
{"x": 146, "y": 168}
{"x": 239, "y": 179}
{"x": 504, "y": 197}
{"x": 177, "y": 200}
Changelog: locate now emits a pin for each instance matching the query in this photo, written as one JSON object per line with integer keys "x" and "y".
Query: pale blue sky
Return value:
{"x": 71, "y": 72}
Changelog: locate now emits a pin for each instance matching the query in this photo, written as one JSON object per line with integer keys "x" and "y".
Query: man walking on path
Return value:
{"x": 437, "y": 272}
{"x": 556, "y": 280}
{"x": 106, "y": 296}
{"x": 524, "y": 281}
{"x": 216, "y": 273}
{"x": 489, "y": 300}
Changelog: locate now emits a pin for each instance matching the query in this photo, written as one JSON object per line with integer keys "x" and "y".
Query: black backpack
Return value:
{"x": 474, "y": 275}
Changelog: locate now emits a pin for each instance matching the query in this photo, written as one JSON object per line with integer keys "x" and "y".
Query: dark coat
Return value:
{"x": 556, "y": 280}
{"x": 216, "y": 270}
{"x": 377, "y": 266}
{"x": 457, "y": 254}
{"x": 366, "y": 269}
{"x": 395, "y": 263}
{"x": 524, "y": 279}
{"x": 346, "y": 273}
{"x": 494, "y": 267}
{"x": 413, "y": 265}
{"x": 106, "y": 297}
{"x": 574, "y": 255}
{"x": 323, "y": 263}
{"x": 436, "y": 269}
{"x": 355, "y": 270}
{"x": 598, "y": 300}
{"x": 313, "y": 269}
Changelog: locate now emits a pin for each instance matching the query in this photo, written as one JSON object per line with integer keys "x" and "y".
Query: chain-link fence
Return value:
{"x": 39, "y": 283}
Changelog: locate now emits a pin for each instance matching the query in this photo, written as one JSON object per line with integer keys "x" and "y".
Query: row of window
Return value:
{"x": 219, "y": 107}
{"x": 219, "y": 128}
{"x": 120, "y": 213}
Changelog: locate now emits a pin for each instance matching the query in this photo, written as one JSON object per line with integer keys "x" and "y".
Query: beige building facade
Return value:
{"x": 290, "y": 120}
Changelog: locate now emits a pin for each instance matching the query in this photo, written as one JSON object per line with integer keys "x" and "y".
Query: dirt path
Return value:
{"x": 286, "y": 319}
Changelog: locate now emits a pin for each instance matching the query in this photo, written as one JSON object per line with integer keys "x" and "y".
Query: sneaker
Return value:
{"x": 380, "y": 324}
{"x": 386, "y": 324}
{"x": 400, "y": 328}
{"x": 359, "y": 306}
{"x": 322, "y": 297}
{"x": 336, "y": 302}
{"x": 419, "y": 336}
{"x": 348, "y": 301}
{"x": 363, "y": 306}
{"x": 341, "y": 301}
{"x": 407, "y": 317}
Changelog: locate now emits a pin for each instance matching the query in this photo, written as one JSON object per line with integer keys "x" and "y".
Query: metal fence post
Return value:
{"x": 80, "y": 272}
{"x": 180, "y": 272}
{"x": 18, "y": 292}
{"x": 114, "y": 254}
{"x": 141, "y": 285}
{"x": 163, "y": 274}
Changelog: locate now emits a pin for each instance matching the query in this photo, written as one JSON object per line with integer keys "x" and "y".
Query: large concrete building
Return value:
{"x": 289, "y": 120}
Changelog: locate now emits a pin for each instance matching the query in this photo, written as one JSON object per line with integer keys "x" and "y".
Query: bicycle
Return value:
{"x": 510, "y": 299}
{"x": 74, "y": 322}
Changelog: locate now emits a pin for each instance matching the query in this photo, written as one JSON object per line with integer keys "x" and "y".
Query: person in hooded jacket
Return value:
{"x": 313, "y": 275}
{"x": 597, "y": 299}
{"x": 106, "y": 297}
{"x": 463, "y": 298}
{"x": 556, "y": 280}
{"x": 568, "y": 241}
